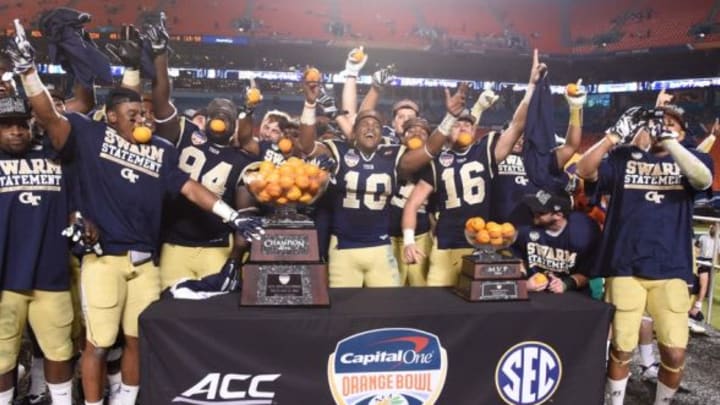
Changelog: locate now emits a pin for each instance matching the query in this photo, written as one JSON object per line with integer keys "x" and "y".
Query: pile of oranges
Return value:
{"x": 294, "y": 181}
{"x": 479, "y": 232}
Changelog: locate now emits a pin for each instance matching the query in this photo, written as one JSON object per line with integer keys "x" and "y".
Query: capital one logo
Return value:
{"x": 29, "y": 198}
{"x": 654, "y": 196}
{"x": 217, "y": 388}
{"x": 129, "y": 175}
{"x": 528, "y": 373}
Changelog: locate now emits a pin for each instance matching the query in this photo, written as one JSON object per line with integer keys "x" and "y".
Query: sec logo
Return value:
{"x": 528, "y": 373}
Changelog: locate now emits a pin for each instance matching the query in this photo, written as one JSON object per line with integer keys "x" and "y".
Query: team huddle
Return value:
{"x": 153, "y": 200}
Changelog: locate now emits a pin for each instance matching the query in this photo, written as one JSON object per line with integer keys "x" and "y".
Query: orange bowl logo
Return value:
{"x": 393, "y": 366}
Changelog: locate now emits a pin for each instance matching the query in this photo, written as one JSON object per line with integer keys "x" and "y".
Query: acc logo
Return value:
{"x": 29, "y": 198}
{"x": 198, "y": 138}
{"x": 446, "y": 159}
{"x": 216, "y": 388}
{"x": 654, "y": 196}
{"x": 351, "y": 158}
{"x": 387, "y": 366}
{"x": 129, "y": 175}
{"x": 528, "y": 374}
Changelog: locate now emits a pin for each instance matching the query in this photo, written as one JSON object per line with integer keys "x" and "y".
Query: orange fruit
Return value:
{"x": 257, "y": 185}
{"x": 475, "y": 224}
{"x": 286, "y": 182}
{"x": 217, "y": 125}
{"x": 322, "y": 176}
{"x": 507, "y": 229}
{"x": 357, "y": 55}
{"x": 266, "y": 166}
{"x": 494, "y": 229}
{"x": 464, "y": 139}
{"x": 312, "y": 170}
{"x": 539, "y": 278}
{"x": 274, "y": 190}
{"x": 263, "y": 196}
{"x": 415, "y": 143}
{"x": 285, "y": 145}
{"x": 572, "y": 89}
{"x": 496, "y": 241}
{"x": 302, "y": 181}
{"x": 293, "y": 160}
{"x": 305, "y": 198}
{"x": 273, "y": 177}
{"x": 253, "y": 96}
{"x": 314, "y": 186}
{"x": 294, "y": 193}
{"x": 312, "y": 75}
{"x": 482, "y": 237}
{"x": 281, "y": 200}
{"x": 142, "y": 134}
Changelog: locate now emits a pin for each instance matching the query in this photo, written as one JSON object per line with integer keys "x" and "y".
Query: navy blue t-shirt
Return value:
{"x": 461, "y": 184}
{"x": 122, "y": 184}
{"x": 569, "y": 252}
{"x": 508, "y": 188}
{"x": 361, "y": 196}
{"x": 648, "y": 231}
{"x": 34, "y": 203}
{"x": 216, "y": 167}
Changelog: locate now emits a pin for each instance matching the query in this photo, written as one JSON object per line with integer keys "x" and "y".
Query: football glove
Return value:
{"x": 20, "y": 51}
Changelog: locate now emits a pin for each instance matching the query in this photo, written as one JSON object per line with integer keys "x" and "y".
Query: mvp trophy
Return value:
{"x": 284, "y": 268}
{"x": 487, "y": 275}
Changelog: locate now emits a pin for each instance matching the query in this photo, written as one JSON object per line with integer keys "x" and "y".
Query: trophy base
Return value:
{"x": 283, "y": 244}
{"x": 491, "y": 290}
{"x": 479, "y": 268}
{"x": 289, "y": 284}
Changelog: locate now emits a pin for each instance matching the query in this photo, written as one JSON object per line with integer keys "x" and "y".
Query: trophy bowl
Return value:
{"x": 490, "y": 239}
{"x": 293, "y": 184}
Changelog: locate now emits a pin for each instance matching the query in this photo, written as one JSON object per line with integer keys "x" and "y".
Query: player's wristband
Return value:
{"x": 408, "y": 237}
{"x": 164, "y": 120}
{"x": 570, "y": 283}
{"x": 32, "y": 83}
{"x": 223, "y": 210}
{"x": 698, "y": 305}
{"x": 446, "y": 125}
{"x": 308, "y": 114}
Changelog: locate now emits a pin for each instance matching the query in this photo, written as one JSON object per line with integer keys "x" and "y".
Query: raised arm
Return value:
{"x": 414, "y": 160}
{"x": 575, "y": 97}
{"x": 22, "y": 55}
{"x": 517, "y": 125}
{"x": 167, "y": 123}
{"x": 353, "y": 64}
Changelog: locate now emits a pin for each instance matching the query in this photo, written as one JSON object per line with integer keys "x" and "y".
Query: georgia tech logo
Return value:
{"x": 29, "y": 198}
{"x": 521, "y": 180}
{"x": 388, "y": 366}
{"x": 129, "y": 175}
{"x": 528, "y": 373}
{"x": 654, "y": 196}
{"x": 217, "y": 388}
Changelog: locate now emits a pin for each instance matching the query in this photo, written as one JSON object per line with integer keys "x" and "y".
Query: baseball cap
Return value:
{"x": 14, "y": 107}
{"x": 543, "y": 202}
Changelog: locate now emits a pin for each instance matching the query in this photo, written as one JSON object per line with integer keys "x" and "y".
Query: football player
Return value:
{"x": 34, "y": 279}
{"x": 460, "y": 181}
{"x": 560, "y": 244}
{"x": 196, "y": 243}
{"x": 646, "y": 249}
{"x": 123, "y": 184}
{"x": 416, "y": 132}
{"x": 367, "y": 176}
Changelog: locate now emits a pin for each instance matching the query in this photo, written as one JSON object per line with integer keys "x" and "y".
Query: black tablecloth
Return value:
{"x": 213, "y": 351}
